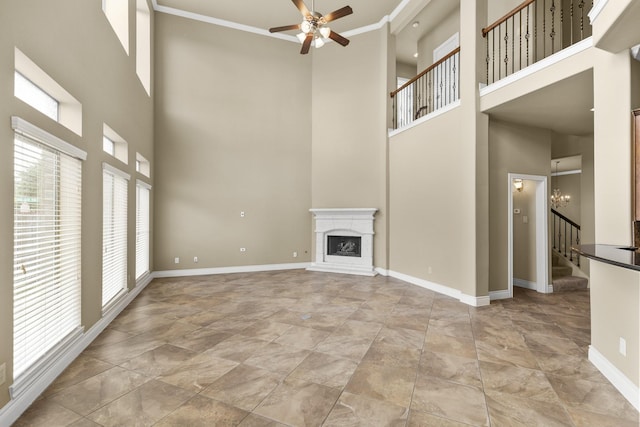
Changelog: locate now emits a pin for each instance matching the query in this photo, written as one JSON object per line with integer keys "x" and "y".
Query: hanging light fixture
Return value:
{"x": 559, "y": 200}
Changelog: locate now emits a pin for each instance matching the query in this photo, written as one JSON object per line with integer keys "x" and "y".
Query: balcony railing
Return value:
{"x": 432, "y": 89}
{"x": 533, "y": 31}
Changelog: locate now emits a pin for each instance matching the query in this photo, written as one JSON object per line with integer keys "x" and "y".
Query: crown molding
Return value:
{"x": 260, "y": 31}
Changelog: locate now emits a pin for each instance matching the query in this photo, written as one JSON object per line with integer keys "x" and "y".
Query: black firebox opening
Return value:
{"x": 344, "y": 246}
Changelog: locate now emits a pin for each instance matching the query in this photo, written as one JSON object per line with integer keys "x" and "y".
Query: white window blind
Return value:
{"x": 142, "y": 228}
{"x": 114, "y": 234}
{"x": 47, "y": 237}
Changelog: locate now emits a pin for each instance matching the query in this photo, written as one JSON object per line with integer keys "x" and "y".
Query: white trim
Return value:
{"x": 441, "y": 289}
{"x": 25, "y": 128}
{"x": 115, "y": 171}
{"x": 430, "y": 116}
{"x": 542, "y": 232}
{"x": 222, "y": 23}
{"x": 16, "y": 407}
{"x": 255, "y": 30}
{"x": 143, "y": 184}
{"x": 382, "y": 271}
{"x": 538, "y": 66}
{"x": 366, "y": 29}
{"x": 228, "y": 270}
{"x": 399, "y": 8}
{"x": 525, "y": 284}
{"x": 595, "y": 10}
{"x": 496, "y": 295}
{"x": 624, "y": 385}
{"x": 572, "y": 172}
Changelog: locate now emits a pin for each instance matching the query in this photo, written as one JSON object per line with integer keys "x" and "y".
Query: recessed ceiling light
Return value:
{"x": 416, "y": 24}
{"x": 592, "y": 110}
{"x": 415, "y": 55}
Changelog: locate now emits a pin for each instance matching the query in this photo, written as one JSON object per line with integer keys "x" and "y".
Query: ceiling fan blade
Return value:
{"x": 336, "y": 14}
{"x": 306, "y": 44}
{"x": 338, "y": 38}
{"x": 302, "y": 7}
{"x": 284, "y": 28}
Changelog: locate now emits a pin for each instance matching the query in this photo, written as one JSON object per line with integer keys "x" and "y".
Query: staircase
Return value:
{"x": 561, "y": 277}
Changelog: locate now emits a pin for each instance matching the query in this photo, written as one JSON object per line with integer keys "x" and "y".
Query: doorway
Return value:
{"x": 535, "y": 186}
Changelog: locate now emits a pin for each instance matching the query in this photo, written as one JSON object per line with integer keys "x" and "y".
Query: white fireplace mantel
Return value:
{"x": 356, "y": 222}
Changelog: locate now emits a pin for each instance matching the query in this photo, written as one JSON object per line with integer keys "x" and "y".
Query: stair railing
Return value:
{"x": 560, "y": 225}
{"x": 533, "y": 31}
{"x": 434, "y": 88}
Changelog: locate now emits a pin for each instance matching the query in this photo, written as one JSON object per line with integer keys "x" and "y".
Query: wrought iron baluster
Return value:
{"x": 487, "y": 43}
{"x": 572, "y": 20}
{"x": 527, "y": 34}
{"x": 552, "y": 9}
{"x": 520, "y": 47}
{"x": 581, "y": 6}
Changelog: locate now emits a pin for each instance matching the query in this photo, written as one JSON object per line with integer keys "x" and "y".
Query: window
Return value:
{"x": 143, "y": 166}
{"x": 33, "y": 86}
{"x": 114, "y": 145}
{"x": 142, "y": 228}
{"x": 46, "y": 254}
{"x": 114, "y": 234}
{"x": 117, "y": 12}
{"x": 143, "y": 44}
{"x": 27, "y": 91}
{"x": 108, "y": 146}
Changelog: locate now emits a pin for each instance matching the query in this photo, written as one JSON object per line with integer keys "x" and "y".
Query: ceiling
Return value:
{"x": 569, "y": 113}
{"x": 265, "y": 14}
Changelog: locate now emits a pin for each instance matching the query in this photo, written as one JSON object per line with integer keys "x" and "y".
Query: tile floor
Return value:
{"x": 296, "y": 348}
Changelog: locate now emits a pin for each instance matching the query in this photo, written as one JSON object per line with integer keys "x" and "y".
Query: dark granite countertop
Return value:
{"x": 619, "y": 255}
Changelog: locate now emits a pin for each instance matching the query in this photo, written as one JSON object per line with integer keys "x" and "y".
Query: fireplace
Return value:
{"x": 344, "y": 241}
{"x": 344, "y": 245}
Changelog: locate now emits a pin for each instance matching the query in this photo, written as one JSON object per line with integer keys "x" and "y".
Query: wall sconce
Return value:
{"x": 518, "y": 184}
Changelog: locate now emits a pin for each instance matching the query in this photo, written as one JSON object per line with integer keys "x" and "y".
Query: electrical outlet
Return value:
{"x": 430, "y": 270}
{"x": 623, "y": 346}
{"x": 195, "y": 259}
{"x": 3, "y": 373}
{"x": 243, "y": 249}
{"x": 295, "y": 254}
{"x": 176, "y": 260}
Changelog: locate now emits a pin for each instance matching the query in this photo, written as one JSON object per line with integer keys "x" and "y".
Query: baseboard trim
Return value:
{"x": 230, "y": 270}
{"x": 496, "y": 295}
{"x": 521, "y": 283}
{"x": 624, "y": 385}
{"x": 441, "y": 289}
{"x": 16, "y": 407}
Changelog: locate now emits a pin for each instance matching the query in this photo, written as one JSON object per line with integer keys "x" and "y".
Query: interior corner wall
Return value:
{"x": 349, "y": 110}
{"x": 233, "y": 134}
{"x": 74, "y": 44}
{"x": 434, "y": 38}
{"x": 517, "y": 149}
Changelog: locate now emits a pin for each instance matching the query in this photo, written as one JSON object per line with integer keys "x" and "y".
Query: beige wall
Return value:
{"x": 407, "y": 71}
{"x": 512, "y": 149}
{"x": 72, "y": 41}
{"x": 434, "y": 38}
{"x": 349, "y": 154}
{"x": 432, "y": 224}
{"x": 615, "y": 305}
{"x": 524, "y": 232}
{"x": 233, "y": 134}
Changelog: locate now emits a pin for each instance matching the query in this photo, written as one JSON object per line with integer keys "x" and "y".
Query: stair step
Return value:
{"x": 569, "y": 283}
{"x": 555, "y": 259}
{"x": 561, "y": 271}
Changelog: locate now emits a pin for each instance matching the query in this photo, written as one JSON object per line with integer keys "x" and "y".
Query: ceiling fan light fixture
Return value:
{"x": 319, "y": 42}
{"x": 325, "y": 31}
{"x": 301, "y": 37}
{"x": 306, "y": 27}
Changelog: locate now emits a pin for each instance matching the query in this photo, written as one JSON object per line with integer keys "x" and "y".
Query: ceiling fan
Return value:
{"x": 314, "y": 26}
